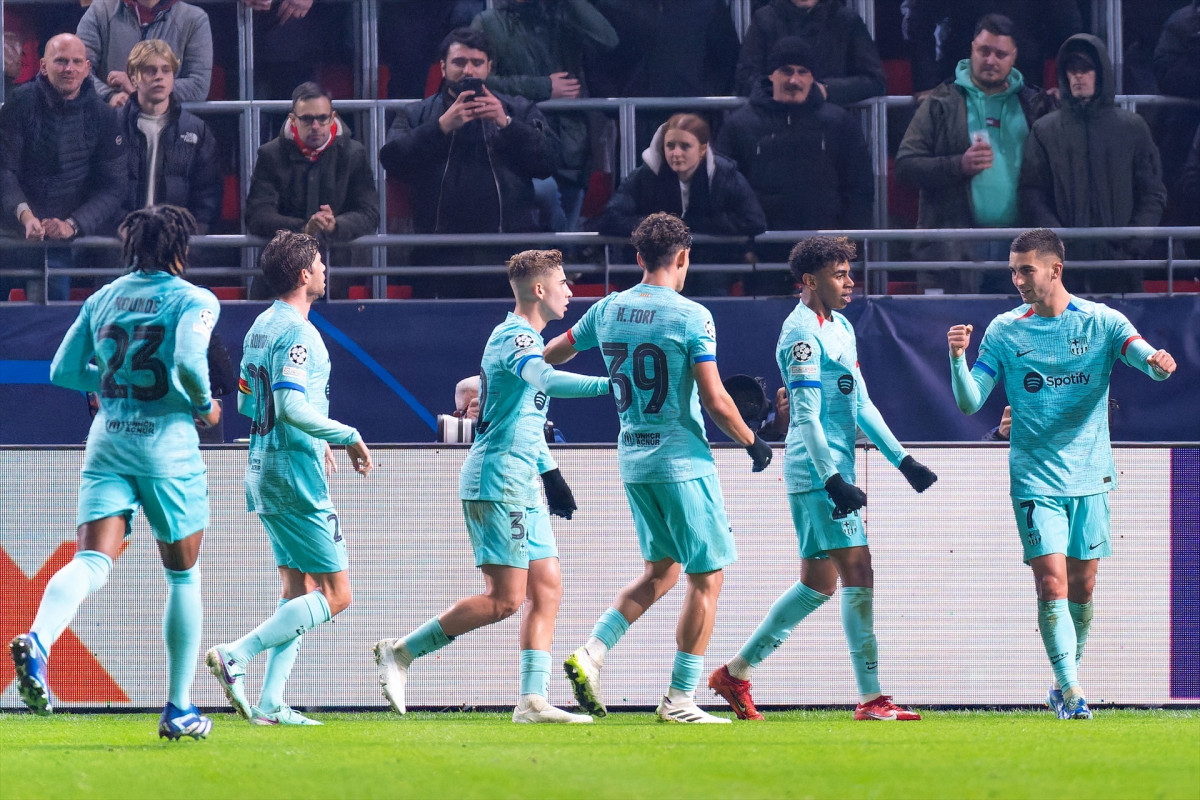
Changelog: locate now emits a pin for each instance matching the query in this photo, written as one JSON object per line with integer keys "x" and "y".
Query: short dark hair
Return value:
{"x": 533, "y": 264}
{"x": 1040, "y": 241}
{"x": 309, "y": 90}
{"x": 996, "y": 25}
{"x": 467, "y": 37}
{"x": 659, "y": 237}
{"x": 815, "y": 253}
{"x": 283, "y": 258}
{"x": 155, "y": 239}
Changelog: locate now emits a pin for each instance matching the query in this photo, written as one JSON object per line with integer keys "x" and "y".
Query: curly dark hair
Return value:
{"x": 659, "y": 237}
{"x": 1040, "y": 241}
{"x": 155, "y": 239}
{"x": 813, "y": 254}
{"x": 283, "y": 258}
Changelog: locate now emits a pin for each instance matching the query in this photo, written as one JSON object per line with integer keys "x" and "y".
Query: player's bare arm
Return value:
{"x": 559, "y": 350}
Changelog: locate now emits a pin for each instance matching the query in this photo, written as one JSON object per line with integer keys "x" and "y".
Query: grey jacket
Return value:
{"x": 109, "y": 30}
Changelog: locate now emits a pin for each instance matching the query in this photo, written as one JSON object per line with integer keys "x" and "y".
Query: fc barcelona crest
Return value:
{"x": 1078, "y": 346}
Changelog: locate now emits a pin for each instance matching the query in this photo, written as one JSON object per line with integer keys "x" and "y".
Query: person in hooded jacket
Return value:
{"x": 963, "y": 151}
{"x": 805, "y": 158}
{"x": 681, "y": 175}
{"x": 1092, "y": 164}
{"x": 846, "y": 55}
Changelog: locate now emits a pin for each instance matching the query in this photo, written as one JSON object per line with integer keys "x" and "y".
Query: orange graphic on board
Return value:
{"x": 75, "y": 674}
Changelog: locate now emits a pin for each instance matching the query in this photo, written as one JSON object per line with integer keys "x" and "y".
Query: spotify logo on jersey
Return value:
{"x": 846, "y": 384}
{"x": 1033, "y": 382}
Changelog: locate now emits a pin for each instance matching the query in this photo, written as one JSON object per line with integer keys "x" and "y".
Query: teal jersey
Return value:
{"x": 650, "y": 336}
{"x": 1055, "y": 372}
{"x": 285, "y": 470}
{"x": 149, "y": 334}
{"x": 509, "y": 451}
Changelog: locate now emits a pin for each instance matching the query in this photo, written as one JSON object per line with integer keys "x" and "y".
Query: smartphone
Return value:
{"x": 473, "y": 85}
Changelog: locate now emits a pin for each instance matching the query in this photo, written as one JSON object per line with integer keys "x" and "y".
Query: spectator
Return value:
{"x": 1041, "y": 26}
{"x": 1189, "y": 191}
{"x": 313, "y": 178}
{"x": 62, "y": 157}
{"x": 1177, "y": 68}
{"x": 845, "y": 54}
{"x": 110, "y": 29}
{"x": 1091, "y": 164}
{"x": 469, "y": 154}
{"x": 172, "y": 153}
{"x": 963, "y": 151}
{"x": 682, "y": 175}
{"x": 806, "y": 158}
{"x": 538, "y": 49}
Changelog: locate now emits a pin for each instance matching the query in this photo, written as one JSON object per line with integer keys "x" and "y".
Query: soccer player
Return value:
{"x": 148, "y": 332}
{"x": 508, "y": 525}
{"x": 660, "y": 349}
{"x": 1054, "y": 355}
{"x": 818, "y": 359}
{"x": 284, "y": 389}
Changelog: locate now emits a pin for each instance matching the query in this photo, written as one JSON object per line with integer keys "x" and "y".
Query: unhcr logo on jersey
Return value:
{"x": 1034, "y": 382}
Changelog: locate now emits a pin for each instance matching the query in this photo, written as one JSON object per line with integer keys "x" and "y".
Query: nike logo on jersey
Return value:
{"x": 1022, "y": 353}
{"x": 1094, "y": 546}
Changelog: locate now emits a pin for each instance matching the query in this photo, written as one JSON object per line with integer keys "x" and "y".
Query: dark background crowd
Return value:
{"x": 1016, "y": 120}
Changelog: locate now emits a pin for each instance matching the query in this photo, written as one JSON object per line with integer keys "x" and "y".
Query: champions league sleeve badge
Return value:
{"x": 298, "y": 355}
{"x": 802, "y": 351}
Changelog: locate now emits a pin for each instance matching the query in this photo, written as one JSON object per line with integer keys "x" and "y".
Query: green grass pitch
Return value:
{"x": 822, "y": 754}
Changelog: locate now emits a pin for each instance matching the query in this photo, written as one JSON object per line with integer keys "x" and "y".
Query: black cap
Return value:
{"x": 790, "y": 50}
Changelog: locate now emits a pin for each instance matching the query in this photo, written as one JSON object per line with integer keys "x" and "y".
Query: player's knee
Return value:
{"x": 338, "y": 601}
{"x": 1050, "y": 587}
{"x": 504, "y": 607}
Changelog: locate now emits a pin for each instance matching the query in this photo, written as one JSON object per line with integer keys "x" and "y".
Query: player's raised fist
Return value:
{"x": 1162, "y": 362}
{"x": 959, "y": 337}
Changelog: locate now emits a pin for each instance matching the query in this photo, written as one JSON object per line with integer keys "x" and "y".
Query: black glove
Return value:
{"x": 846, "y": 496}
{"x": 919, "y": 476}
{"x": 559, "y": 499}
{"x": 760, "y": 453}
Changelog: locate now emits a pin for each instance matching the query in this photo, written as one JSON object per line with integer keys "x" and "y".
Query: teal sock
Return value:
{"x": 535, "y": 672}
{"x": 280, "y": 659}
{"x": 685, "y": 673}
{"x": 426, "y": 639}
{"x": 1081, "y": 616}
{"x": 291, "y": 620}
{"x": 858, "y": 620}
{"x": 183, "y": 623}
{"x": 610, "y": 627}
{"x": 1058, "y": 635}
{"x": 786, "y": 613}
{"x": 70, "y": 586}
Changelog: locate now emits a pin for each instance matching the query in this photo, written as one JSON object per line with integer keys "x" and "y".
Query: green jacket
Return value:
{"x": 532, "y": 40}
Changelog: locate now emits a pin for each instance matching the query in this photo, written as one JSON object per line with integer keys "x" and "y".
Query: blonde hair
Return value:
{"x": 529, "y": 264}
{"x": 143, "y": 51}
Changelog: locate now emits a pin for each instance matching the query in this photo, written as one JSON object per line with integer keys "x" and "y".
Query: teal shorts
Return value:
{"x": 507, "y": 535}
{"x": 175, "y": 507}
{"x": 1077, "y": 527}
{"x": 311, "y": 542}
{"x": 684, "y": 522}
{"x": 817, "y": 530}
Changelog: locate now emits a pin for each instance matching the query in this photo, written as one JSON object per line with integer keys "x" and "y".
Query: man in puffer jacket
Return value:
{"x": 172, "y": 153}
{"x": 1091, "y": 164}
{"x": 805, "y": 158}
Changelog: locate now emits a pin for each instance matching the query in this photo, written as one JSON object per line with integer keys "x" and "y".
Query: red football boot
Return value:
{"x": 883, "y": 708}
{"x": 737, "y": 692}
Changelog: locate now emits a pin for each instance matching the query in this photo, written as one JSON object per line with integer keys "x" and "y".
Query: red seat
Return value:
{"x": 16, "y": 295}
{"x": 231, "y": 200}
{"x": 359, "y": 293}
{"x": 1192, "y": 285}
{"x": 898, "y": 72}
{"x": 1050, "y": 74}
{"x": 80, "y": 294}
{"x": 338, "y": 80}
{"x": 433, "y": 80}
{"x": 218, "y": 85}
{"x": 588, "y": 289}
{"x": 599, "y": 191}
{"x": 228, "y": 292}
{"x": 903, "y": 201}
{"x": 400, "y": 291}
{"x": 903, "y": 287}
